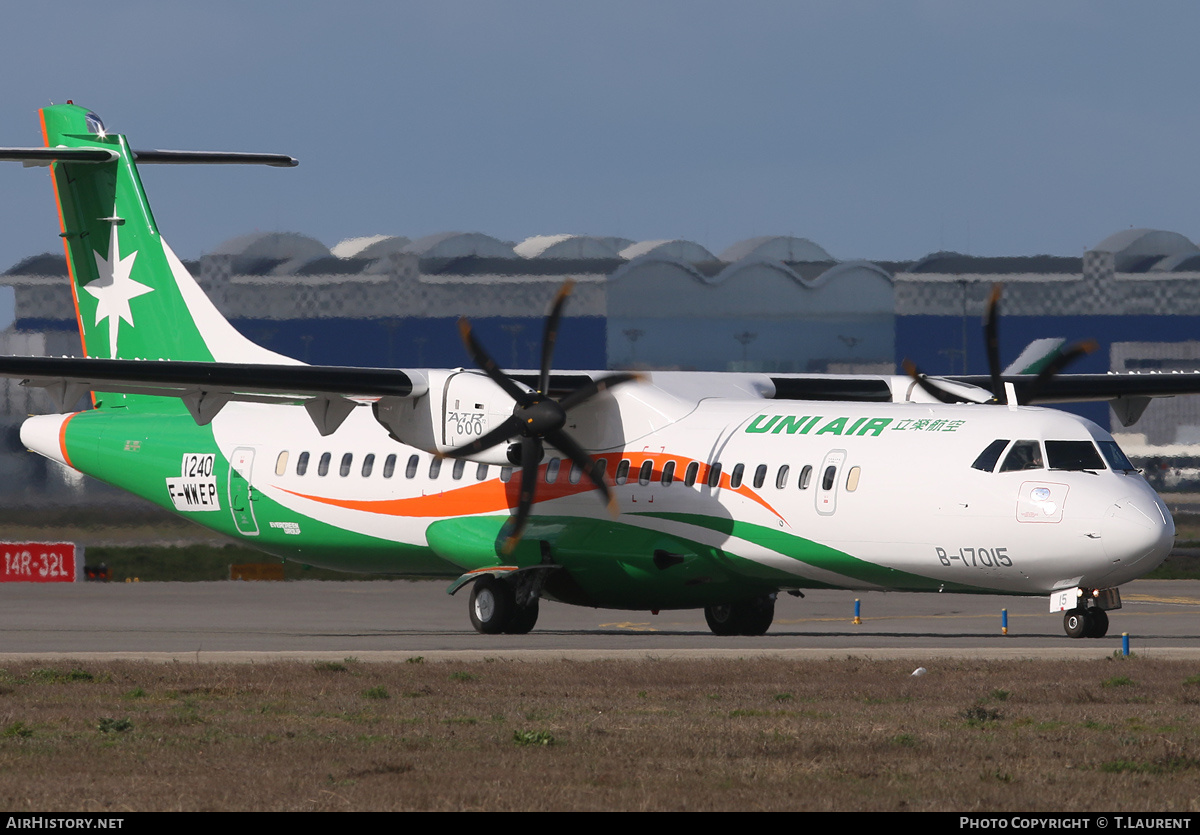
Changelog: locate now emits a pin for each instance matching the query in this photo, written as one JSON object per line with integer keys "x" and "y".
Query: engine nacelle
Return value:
{"x": 459, "y": 407}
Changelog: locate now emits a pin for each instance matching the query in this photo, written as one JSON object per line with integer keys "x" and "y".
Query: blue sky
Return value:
{"x": 878, "y": 130}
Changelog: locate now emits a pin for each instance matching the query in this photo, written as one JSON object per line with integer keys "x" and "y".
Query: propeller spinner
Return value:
{"x": 537, "y": 417}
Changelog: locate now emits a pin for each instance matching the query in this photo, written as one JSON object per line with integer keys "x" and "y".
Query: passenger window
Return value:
{"x": 781, "y": 477}
{"x": 690, "y": 474}
{"x": 599, "y": 469}
{"x": 368, "y": 464}
{"x": 281, "y": 463}
{"x": 668, "y": 473}
{"x": 735, "y": 477}
{"x": 760, "y": 475}
{"x": 505, "y": 474}
{"x": 1073, "y": 455}
{"x": 435, "y": 468}
{"x": 347, "y": 460}
{"x": 852, "y": 479}
{"x": 575, "y": 474}
{"x": 988, "y": 458}
{"x": 646, "y": 472}
{"x": 552, "y": 467}
{"x": 481, "y": 472}
{"x": 389, "y": 466}
{"x": 829, "y": 478}
{"x": 622, "y": 471}
{"x": 410, "y": 469}
{"x": 805, "y": 477}
{"x": 302, "y": 464}
{"x": 1024, "y": 455}
{"x": 460, "y": 464}
{"x": 323, "y": 464}
{"x": 714, "y": 476}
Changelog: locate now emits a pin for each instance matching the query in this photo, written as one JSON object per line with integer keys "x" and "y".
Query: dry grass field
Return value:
{"x": 1113, "y": 735}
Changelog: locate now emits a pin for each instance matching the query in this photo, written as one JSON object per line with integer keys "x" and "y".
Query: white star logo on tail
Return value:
{"x": 114, "y": 288}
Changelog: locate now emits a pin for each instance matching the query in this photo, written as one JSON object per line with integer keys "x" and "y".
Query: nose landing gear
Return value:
{"x": 1084, "y": 610}
{"x": 1086, "y": 623}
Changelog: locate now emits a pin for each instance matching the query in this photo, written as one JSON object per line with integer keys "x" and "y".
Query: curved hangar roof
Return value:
{"x": 675, "y": 250}
{"x": 1140, "y": 250}
{"x": 776, "y": 248}
{"x": 568, "y": 247}
{"x": 262, "y": 253}
{"x": 460, "y": 245}
{"x": 370, "y": 246}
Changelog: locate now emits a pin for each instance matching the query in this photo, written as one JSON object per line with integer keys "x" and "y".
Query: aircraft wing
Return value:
{"x": 328, "y": 392}
{"x": 1128, "y": 393}
{"x": 1079, "y": 388}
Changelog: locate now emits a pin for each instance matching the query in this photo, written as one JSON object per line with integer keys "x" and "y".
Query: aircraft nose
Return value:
{"x": 1138, "y": 533}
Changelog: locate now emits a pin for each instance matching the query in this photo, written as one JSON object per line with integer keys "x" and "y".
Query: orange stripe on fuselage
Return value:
{"x": 660, "y": 459}
{"x": 62, "y": 224}
{"x": 62, "y": 439}
{"x": 494, "y": 495}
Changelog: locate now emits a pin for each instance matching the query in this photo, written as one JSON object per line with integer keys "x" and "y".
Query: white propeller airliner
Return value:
{"x": 652, "y": 491}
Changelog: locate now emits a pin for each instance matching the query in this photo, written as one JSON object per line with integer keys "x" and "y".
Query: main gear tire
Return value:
{"x": 1097, "y": 623}
{"x": 1075, "y": 623}
{"x": 747, "y": 617}
{"x": 492, "y": 605}
{"x": 721, "y": 619}
{"x": 523, "y": 619}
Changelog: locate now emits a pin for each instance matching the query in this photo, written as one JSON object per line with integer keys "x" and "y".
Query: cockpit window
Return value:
{"x": 988, "y": 458}
{"x": 1024, "y": 455}
{"x": 1115, "y": 456}
{"x": 1073, "y": 455}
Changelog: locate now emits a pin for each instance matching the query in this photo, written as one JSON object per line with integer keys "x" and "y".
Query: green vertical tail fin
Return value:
{"x": 134, "y": 299}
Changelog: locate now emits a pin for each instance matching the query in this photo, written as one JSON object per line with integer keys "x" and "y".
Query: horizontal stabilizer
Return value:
{"x": 45, "y": 156}
{"x": 213, "y": 158}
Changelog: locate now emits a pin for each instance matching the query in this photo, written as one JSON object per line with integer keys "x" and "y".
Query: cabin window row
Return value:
{"x": 737, "y": 475}
{"x": 346, "y": 465}
{"x": 645, "y": 474}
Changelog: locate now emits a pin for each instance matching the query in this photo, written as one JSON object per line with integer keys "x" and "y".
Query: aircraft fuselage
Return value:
{"x": 735, "y": 498}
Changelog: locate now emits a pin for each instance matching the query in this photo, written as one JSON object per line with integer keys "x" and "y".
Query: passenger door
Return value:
{"x": 241, "y": 496}
{"x": 827, "y": 481}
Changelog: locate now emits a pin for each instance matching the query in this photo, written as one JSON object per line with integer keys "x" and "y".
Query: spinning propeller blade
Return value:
{"x": 991, "y": 335}
{"x": 536, "y": 417}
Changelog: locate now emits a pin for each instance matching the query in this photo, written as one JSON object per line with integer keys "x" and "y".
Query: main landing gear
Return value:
{"x": 748, "y": 617}
{"x": 500, "y": 606}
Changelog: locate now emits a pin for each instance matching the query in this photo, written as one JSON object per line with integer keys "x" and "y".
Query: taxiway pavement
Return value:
{"x": 399, "y": 619}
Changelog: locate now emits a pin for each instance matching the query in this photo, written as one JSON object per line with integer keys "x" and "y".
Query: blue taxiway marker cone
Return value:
{"x": 1125, "y": 643}
{"x": 857, "y": 611}
{"x": 1004, "y": 621}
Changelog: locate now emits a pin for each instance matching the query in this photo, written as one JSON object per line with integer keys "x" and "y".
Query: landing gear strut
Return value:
{"x": 748, "y": 617}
